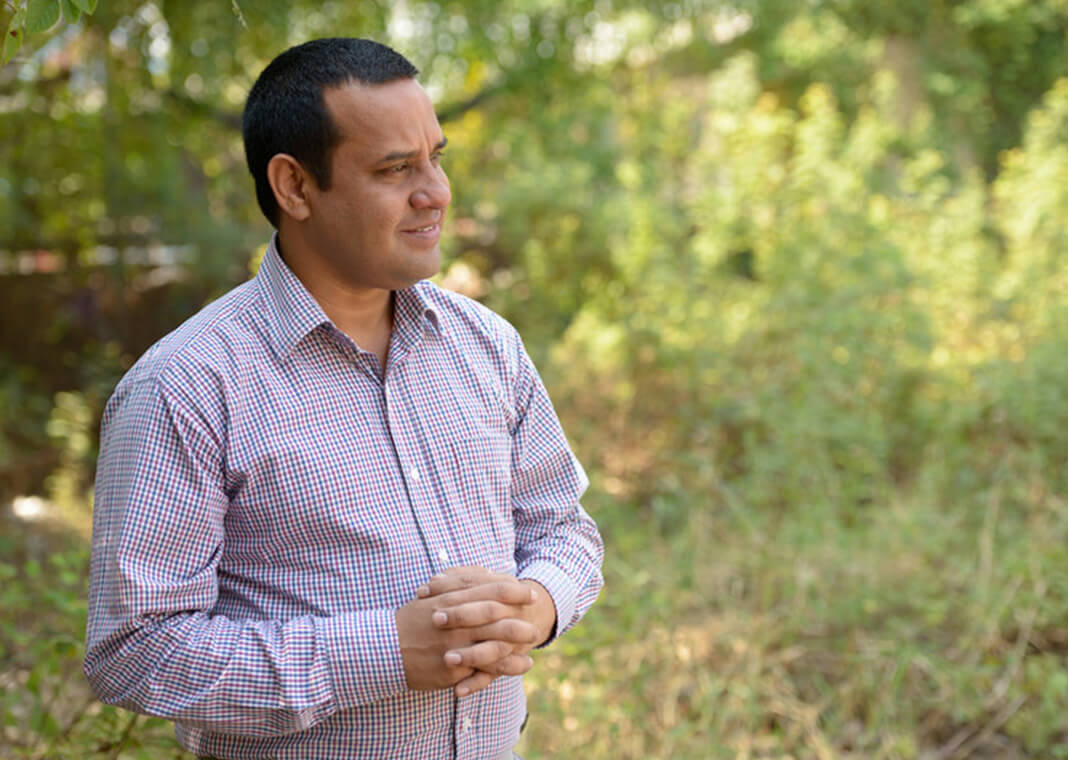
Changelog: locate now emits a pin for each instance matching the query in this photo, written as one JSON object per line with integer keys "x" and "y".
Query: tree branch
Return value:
{"x": 206, "y": 110}
{"x": 454, "y": 111}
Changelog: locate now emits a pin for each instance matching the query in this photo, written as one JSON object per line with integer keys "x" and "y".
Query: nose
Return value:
{"x": 433, "y": 191}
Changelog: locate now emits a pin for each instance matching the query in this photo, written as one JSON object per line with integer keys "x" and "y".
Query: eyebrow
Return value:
{"x": 401, "y": 155}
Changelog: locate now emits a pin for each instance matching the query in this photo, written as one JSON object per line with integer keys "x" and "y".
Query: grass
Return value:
{"x": 912, "y": 629}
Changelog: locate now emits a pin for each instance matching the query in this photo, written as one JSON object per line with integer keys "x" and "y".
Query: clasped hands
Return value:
{"x": 468, "y": 625}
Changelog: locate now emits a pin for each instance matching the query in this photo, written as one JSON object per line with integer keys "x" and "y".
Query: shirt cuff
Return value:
{"x": 561, "y": 590}
{"x": 364, "y": 656}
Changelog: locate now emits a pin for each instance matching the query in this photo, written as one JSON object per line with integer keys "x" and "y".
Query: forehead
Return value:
{"x": 397, "y": 115}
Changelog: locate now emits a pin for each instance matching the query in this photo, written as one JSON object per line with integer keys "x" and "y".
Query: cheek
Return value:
{"x": 371, "y": 212}
{"x": 393, "y": 208}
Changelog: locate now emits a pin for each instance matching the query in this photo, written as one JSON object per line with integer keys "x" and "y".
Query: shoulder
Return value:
{"x": 483, "y": 344}
{"x": 466, "y": 320}
{"x": 191, "y": 362}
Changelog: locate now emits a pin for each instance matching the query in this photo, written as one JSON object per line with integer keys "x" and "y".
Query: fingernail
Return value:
{"x": 437, "y": 577}
{"x": 452, "y": 658}
{"x": 533, "y": 595}
{"x": 463, "y": 691}
{"x": 439, "y": 618}
{"x": 422, "y": 591}
{"x": 530, "y": 662}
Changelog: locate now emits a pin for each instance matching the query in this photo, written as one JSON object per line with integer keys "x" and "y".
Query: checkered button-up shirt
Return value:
{"x": 267, "y": 497}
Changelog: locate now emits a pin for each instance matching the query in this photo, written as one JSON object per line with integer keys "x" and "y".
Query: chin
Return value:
{"x": 425, "y": 268}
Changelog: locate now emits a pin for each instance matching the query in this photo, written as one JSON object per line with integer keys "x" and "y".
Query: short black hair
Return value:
{"x": 285, "y": 112}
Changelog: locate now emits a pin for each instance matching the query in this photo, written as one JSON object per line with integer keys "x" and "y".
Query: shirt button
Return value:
{"x": 467, "y": 724}
{"x": 443, "y": 555}
{"x": 413, "y": 473}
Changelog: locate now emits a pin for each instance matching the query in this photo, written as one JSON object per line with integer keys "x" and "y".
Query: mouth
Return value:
{"x": 427, "y": 233}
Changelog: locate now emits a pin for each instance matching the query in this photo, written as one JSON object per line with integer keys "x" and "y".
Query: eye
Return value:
{"x": 437, "y": 157}
{"x": 398, "y": 169}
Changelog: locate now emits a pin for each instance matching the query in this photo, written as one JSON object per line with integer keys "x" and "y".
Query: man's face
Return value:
{"x": 379, "y": 224}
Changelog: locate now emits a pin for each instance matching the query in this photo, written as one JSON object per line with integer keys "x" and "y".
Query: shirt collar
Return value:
{"x": 293, "y": 312}
{"x": 413, "y": 311}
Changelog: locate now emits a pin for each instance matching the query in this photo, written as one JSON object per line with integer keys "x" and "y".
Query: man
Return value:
{"x": 335, "y": 509}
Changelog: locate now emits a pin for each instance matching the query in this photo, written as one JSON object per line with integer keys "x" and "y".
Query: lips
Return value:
{"x": 427, "y": 227}
{"x": 423, "y": 235}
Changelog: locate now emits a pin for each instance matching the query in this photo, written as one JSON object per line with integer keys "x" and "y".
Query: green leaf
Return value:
{"x": 89, "y": 6}
{"x": 13, "y": 38}
{"x": 45, "y": 723}
{"x": 41, "y": 15}
{"x": 33, "y": 683}
{"x": 71, "y": 12}
{"x": 32, "y": 568}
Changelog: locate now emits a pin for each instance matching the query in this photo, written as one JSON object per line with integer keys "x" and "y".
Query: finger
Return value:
{"x": 513, "y": 631}
{"x": 515, "y": 664}
{"x": 512, "y": 665}
{"x": 438, "y": 584}
{"x": 482, "y": 656}
{"x": 474, "y": 614}
{"x": 477, "y": 681}
{"x": 508, "y": 591}
{"x": 456, "y": 578}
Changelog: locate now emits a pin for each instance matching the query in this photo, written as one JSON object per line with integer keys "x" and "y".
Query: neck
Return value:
{"x": 365, "y": 314}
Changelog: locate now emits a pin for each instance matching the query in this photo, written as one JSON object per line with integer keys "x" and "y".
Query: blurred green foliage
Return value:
{"x": 794, "y": 272}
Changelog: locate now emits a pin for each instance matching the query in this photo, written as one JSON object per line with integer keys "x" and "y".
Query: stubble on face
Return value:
{"x": 378, "y": 224}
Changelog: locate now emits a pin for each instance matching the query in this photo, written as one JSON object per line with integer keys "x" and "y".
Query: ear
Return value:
{"x": 290, "y": 183}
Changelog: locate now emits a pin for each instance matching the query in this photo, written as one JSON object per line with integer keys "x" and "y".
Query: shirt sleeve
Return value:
{"x": 557, "y": 543}
{"x": 153, "y": 644}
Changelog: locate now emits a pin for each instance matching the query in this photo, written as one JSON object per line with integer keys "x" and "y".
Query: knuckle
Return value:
{"x": 478, "y": 656}
{"x": 489, "y": 668}
{"x": 457, "y": 674}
